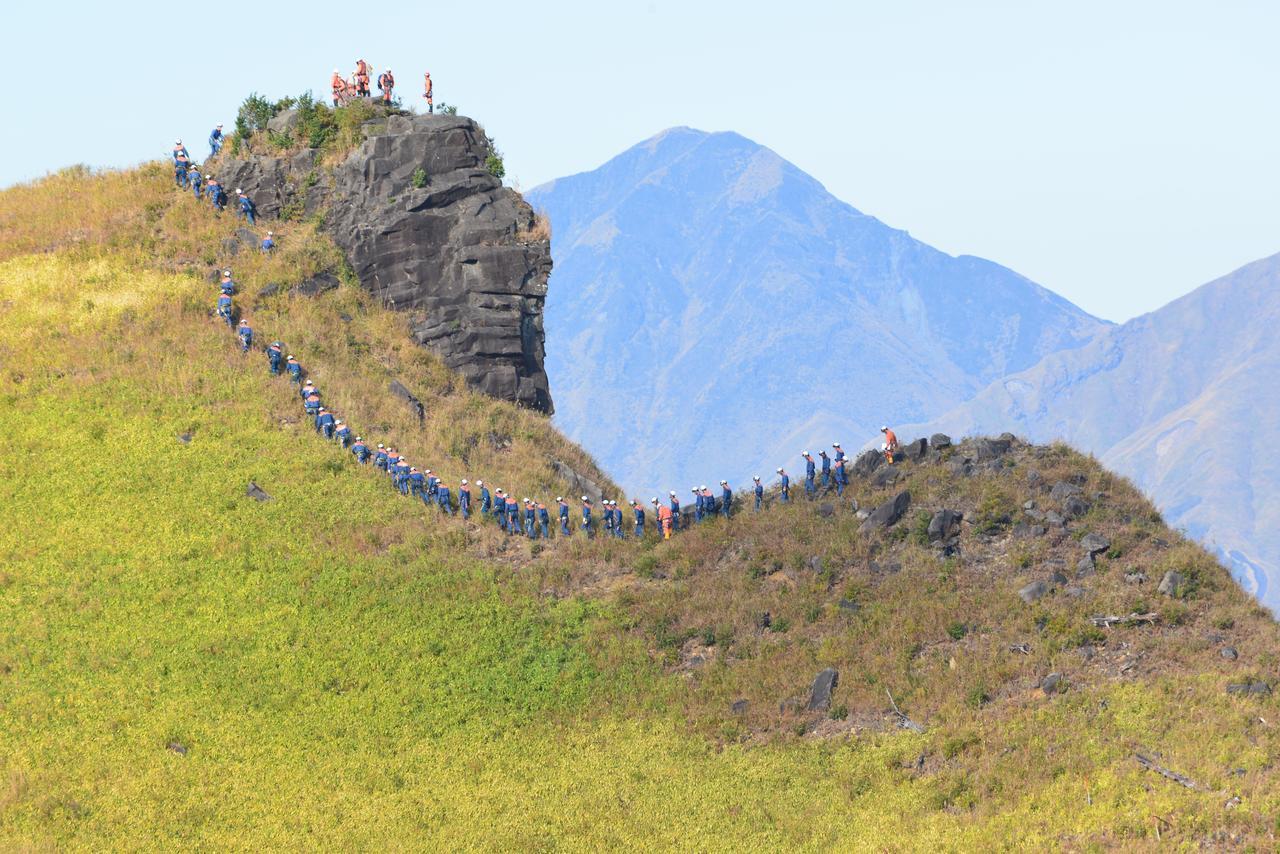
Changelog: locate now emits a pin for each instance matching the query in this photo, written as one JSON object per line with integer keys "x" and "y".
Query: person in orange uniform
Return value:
{"x": 386, "y": 82}
{"x": 339, "y": 87}
{"x": 890, "y": 444}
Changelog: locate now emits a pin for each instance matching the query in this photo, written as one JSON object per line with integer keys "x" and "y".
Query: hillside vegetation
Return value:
{"x": 183, "y": 666}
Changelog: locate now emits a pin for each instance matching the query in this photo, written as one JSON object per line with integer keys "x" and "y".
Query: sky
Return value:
{"x": 1120, "y": 154}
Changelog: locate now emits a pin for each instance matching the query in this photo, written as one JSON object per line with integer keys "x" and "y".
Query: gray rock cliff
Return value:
{"x": 460, "y": 254}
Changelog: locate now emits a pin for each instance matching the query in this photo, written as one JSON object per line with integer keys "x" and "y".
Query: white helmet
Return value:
{"x": 884, "y": 429}
{"x": 584, "y": 498}
{"x": 779, "y": 469}
{"x": 464, "y": 481}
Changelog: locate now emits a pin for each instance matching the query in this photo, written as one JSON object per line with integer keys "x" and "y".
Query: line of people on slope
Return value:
{"x": 534, "y": 519}
{"x": 346, "y": 90}
{"x": 186, "y": 175}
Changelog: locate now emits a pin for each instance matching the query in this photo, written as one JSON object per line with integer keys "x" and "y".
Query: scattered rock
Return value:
{"x": 1038, "y": 515}
{"x": 815, "y": 563}
{"x": 823, "y": 685}
{"x": 961, "y": 467}
{"x": 886, "y": 476}
{"x": 1055, "y": 519}
{"x": 269, "y": 290}
{"x": 940, "y": 441}
{"x": 317, "y": 284}
{"x": 177, "y": 747}
{"x": 1086, "y": 567}
{"x": 861, "y": 514}
{"x": 1135, "y": 578}
{"x": 1034, "y": 479}
{"x": 1052, "y": 684}
{"x": 1059, "y": 579}
{"x": 916, "y": 450}
{"x": 826, "y": 510}
{"x": 848, "y": 605}
{"x": 764, "y": 620}
{"x": 1062, "y": 491}
{"x": 944, "y": 525}
{"x": 284, "y": 122}
{"x": 1033, "y": 591}
{"x": 853, "y": 504}
{"x": 1252, "y": 688}
{"x": 399, "y": 390}
{"x": 886, "y": 568}
{"x": 581, "y": 484}
{"x": 1095, "y": 544}
{"x": 257, "y": 493}
{"x": 887, "y": 513}
{"x": 345, "y": 318}
{"x": 1073, "y": 592}
{"x": 1028, "y": 505}
{"x": 1229, "y": 653}
{"x": 1172, "y": 583}
{"x": 739, "y": 707}
{"x": 991, "y": 449}
{"x": 1074, "y": 507}
{"x": 247, "y": 238}
{"x": 185, "y": 438}
{"x": 867, "y": 463}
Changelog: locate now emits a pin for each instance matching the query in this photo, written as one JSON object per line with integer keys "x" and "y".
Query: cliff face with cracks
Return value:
{"x": 458, "y": 255}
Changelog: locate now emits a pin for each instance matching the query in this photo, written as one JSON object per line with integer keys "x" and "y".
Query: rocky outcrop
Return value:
{"x": 430, "y": 232}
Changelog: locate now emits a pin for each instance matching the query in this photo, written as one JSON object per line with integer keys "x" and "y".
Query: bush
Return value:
{"x": 447, "y": 109}
{"x": 839, "y": 713}
{"x": 494, "y": 164}
{"x": 920, "y": 528}
{"x": 419, "y": 178}
{"x": 995, "y": 512}
{"x": 253, "y": 115}
{"x": 957, "y": 630}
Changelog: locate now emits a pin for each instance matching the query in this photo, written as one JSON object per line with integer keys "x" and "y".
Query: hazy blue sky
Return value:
{"x": 1118, "y": 153}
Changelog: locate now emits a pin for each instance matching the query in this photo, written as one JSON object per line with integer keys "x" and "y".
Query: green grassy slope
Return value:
{"x": 181, "y": 665}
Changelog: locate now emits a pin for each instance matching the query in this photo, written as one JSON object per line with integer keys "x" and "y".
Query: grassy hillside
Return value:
{"x": 183, "y": 666}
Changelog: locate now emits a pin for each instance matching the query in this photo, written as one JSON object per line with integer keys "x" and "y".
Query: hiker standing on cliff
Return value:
{"x": 338, "y": 87}
{"x": 586, "y": 517}
{"x": 464, "y": 499}
{"x": 362, "y": 78}
{"x": 785, "y": 481}
{"x": 428, "y": 92}
{"x": 726, "y": 498}
{"x": 826, "y": 469}
{"x": 809, "y": 471}
{"x": 758, "y": 489}
{"x": 638, "y": 509}
{"x": 386, "y": 82}
{"x": 564, "y": 516}
{"x": 215, "y": 141}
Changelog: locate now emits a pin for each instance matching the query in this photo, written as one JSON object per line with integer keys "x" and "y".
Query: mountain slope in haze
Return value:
{"x": 1183, "y": 400}
{"x": 714, "y": 310}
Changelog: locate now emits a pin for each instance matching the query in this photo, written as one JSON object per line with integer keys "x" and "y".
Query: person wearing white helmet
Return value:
{"x": 810, "y": 473}
{"x": 215, "y": 141}
{"x": 758, "y": 488}
{"x": 269, "y": 243}
{"x": 784, "y": 480}
{"x": 248, "y": 210}
{"x": 890, "y": 444}
{"x": 563, "y": 513}
{"x": 697, "y": 504}
{"x": 839, "y": 450}
{"x": 180, "y": 163}
{"x": 342, "y": 433}
{"x": 726, "y": 498}
{"x": 637, "y": 509}
{"x": 586, "y": 518}
{"x": 486, "y": 500}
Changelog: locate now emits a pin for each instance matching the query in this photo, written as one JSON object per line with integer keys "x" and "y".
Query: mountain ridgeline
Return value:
{"x": 716, "y": 311}
{"x": 430, "y": 231}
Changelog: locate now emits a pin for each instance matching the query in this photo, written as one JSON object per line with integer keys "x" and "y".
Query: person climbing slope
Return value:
{"x": 784, "y": 480}
{"x": 274, "y": 356}
{"x": 386, "y": 83}
{"x": 809, "y": 472}
{"x": 428, "y": 92}
{"x": 245, "y": 334}
{"x": 890, "y": 444}
{"x": 215, "y": 141}
{"x": 758, "y": 489}
{"x": 248, "y": 210}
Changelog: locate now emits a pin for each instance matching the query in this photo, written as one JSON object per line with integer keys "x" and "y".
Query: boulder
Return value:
{"x": 887, "y": 513}
{"x": 739, "y": 707}
{"x": 317, "y": 284}
{"x": 944, "y": 525}
{"x": 1254, "y": 687}
{"x": 401, "y": 391}
{"x": 885, "y": 476}
{"x": 257, "y": 493}
{"x": 1062, "y": 491}
{"x": 284, "y": 122}
{"x": 579, "y": 484}
{"x": 826, "y": 509}
{"x": 1229, "y": 653}
{"x": 1055, "y": 520}
{"x": 823, "y": 685}
{"x": 1033, "y": 591}
{"x": 916, "y": 450}
{"x": 940, "y": 441}
{"x": 1052, "y": 683}
{"x": 986, "y": 450}
{"x": 848, "y": 606}
{"x": 867, "y": 463}
{"x": 1034, "y": 479}
{"x": 1086, "y": 567}
{"x": 177, "y": 747}
{"x": 1172, "y": 584}
{"x": 1135, "y": 577}
{"x": 269, "y": 290}
{"x": 1074, "y": 508}
{"x": 247, "y": 238}
{"x": 1095, "y": 544}
{"x": 184, "y": 438}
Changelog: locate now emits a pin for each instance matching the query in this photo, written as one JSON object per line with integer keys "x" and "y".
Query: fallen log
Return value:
{"x": 1107, "y": 621}
{"x": 1180, "y": 779}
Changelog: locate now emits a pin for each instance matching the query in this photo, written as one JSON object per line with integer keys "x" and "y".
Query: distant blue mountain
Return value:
{"x": 714, "y": 311}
